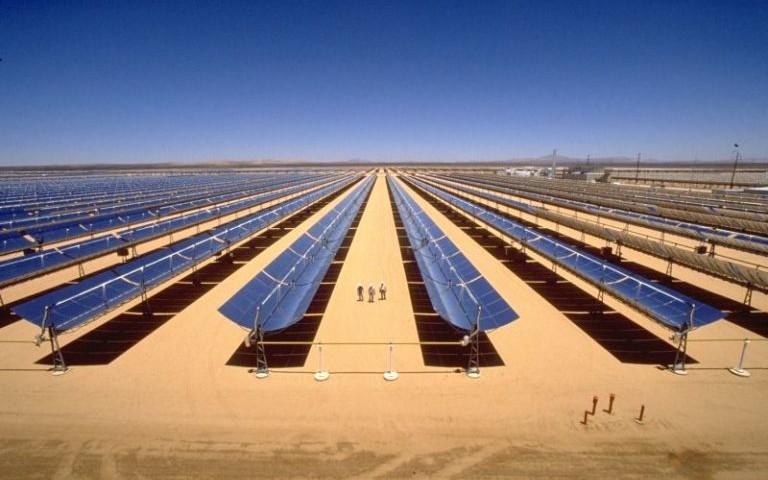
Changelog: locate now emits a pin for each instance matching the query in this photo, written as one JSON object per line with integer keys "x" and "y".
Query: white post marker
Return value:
{"x": 391, "y": 375}
{"x": 739, "y": 371}
{"x": 321, "y": 375}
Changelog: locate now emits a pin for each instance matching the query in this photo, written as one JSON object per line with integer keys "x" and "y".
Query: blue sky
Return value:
{"x": 125, "y": 82}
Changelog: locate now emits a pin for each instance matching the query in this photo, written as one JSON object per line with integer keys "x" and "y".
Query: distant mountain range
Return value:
{"x": 545, "y": 160}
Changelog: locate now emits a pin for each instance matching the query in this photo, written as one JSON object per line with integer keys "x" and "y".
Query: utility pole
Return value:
{"x": 554, "y": 154}
{"x": 637, "y": 169}
{"x": 735, "y": 163}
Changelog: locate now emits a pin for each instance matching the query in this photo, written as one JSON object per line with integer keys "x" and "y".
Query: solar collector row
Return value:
{"x": 749, "y": 277}
{"x": 95, "y": 194}
{"x": 279, "y": 295}
{"x": 149, "y": 204}
{"x": 738, "y": 240}
{"x": 30, "y": 238}
{"x": 733, "y": 204}
{"x": 19, "y": 268}
{"x": 71, "y": 306}
{"x": 52, "y": 191}
{"x": 457, "y": 291}
{"x": 744, "y": 222}
{"x": 157, "y": 203}
{"x": 713, "y": 202}
{"x": 608, "y": 194}
{"x": 664, "y": 305}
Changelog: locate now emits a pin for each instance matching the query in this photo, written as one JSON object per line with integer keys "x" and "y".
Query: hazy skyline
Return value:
{"x": 134, "y": 82}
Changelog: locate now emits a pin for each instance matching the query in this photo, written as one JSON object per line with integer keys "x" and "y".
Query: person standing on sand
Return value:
{"x": 360, "y": 292}
{"x": 371, "y": 293}
{"x": 382, "y": 291}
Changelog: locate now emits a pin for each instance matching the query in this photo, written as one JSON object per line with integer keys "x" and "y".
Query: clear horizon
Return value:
{"x": 385, "y": 82}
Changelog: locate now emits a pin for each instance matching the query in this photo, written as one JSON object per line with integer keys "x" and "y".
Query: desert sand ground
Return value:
{"x": 171, "y": 407}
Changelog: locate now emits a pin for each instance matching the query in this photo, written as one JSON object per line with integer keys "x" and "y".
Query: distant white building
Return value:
{"x": 525, "y": 172}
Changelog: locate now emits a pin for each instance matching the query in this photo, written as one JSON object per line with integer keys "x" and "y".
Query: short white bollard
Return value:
{"x": 739, "y": 371}
{"x": 391, "y": 375}
{"x": 321, "y": 374}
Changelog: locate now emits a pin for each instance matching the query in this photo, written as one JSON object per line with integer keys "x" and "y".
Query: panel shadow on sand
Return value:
{"x": 305, "y": 330}
{"x": 286, "y": 356}
{"x": 113, "y": 338}
{"x": 738, "y": 313}
{"x": 7, "y": 317}
{"x": 108, "y": 341}
{"x": 430, "y": 326}
{"x": 627, "y": 341}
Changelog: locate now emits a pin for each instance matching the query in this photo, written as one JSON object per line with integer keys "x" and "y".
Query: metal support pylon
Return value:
{"x": 59, "y": 366}
{"x": 748, "y": 296}
{"x": 473, "y": 369}
{"x": 474, "y": 357}
{"x": 682, "y": 347}
{"x": 146, "y": 309}
{"x": 262, "y": 369}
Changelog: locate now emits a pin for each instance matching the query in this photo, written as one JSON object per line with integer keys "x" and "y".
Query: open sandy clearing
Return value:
{"x": 171, "y": 407}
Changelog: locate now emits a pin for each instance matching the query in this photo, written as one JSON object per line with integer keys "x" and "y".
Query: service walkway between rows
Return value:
{"x": 374, "y": 256}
